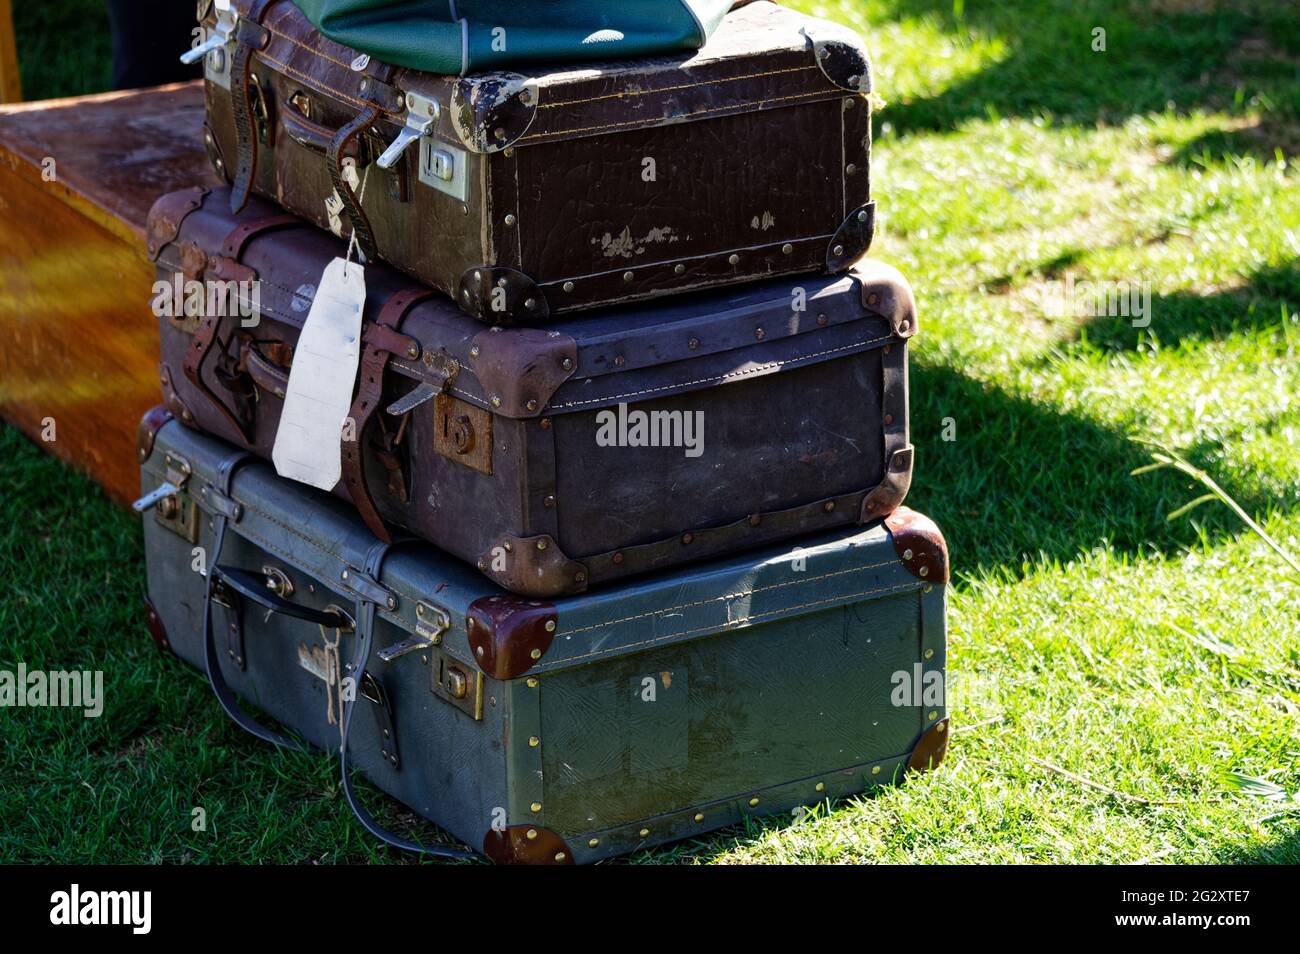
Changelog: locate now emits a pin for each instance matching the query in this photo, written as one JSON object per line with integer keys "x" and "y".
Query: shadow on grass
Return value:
{"x": 1161, "y": 55}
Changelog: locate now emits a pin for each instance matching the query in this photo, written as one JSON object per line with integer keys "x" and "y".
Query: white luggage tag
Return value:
{"x": 308, "y": 444}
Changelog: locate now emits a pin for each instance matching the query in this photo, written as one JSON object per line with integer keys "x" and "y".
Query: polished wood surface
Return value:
{"x": 78, "y": 342}
{"x": 11, "y": 87}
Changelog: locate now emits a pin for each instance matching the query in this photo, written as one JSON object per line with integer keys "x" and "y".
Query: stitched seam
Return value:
{"x": 727, "y": 596}
{"x": 312, "y": 81}
{"x": 320, "y": 54}
{"x": 736, "y": 107}
{"x": 730, "y": 624}
{"x": 670, "y": 89}
{"x": 727, "y": 377}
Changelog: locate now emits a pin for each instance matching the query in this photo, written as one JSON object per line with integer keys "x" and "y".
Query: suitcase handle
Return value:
{"x": 304, "y": 131}
{"x": 257, "y": 588}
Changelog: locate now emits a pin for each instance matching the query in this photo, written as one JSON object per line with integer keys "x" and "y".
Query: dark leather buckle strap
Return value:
{"x": 344, "y": 141}
{"x": 381, "y": 341}
{"x": 250, "y": 35}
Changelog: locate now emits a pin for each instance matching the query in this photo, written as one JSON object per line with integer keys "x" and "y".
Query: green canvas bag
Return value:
{"x": 470, "y": 36}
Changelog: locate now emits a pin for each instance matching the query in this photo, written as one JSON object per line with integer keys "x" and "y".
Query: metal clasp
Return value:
{"x": 222, "y": 34}
{"x": 178, "y": 473}
{"x": 431, "y": 622}
{"x": 421, "y": 116}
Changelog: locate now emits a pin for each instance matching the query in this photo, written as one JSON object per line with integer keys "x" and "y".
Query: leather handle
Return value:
{"x": 252, "y": 586}
{"x": 268, "y": 378}
{"x": 309, "y": 133}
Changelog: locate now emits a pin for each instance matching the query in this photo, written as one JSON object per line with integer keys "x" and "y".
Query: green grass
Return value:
{"x": 1111, "y": 668}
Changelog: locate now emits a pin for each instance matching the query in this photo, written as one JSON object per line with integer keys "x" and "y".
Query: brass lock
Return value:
{"x": 457, "y": 683}
{"x": 462, "y": 434}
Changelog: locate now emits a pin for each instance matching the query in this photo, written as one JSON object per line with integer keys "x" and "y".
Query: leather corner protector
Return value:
{"x": 931, "y": 749}
{"x": 520, "y": 369}
{"x": 526, "y": 845}
{"x": 508, "y": 635}
{"x": 147, "y": 433}
{"x": 852, "y": 239}
{"x": 845, "y": 64}
{"x": 892, "y": 491}
{"x": 167, "y": 216}
{"x": 156, "y": 628}
{"x": 492, "y": 112}
{"x": 887, "y": 293}
{"x": 497, "y": 294}
{"x": 920, "y": 545}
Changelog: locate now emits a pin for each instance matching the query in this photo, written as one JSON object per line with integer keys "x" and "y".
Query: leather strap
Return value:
{"x": 382, "y": 340}
{"x": 249, "y": 35}
{"x": 343, "y": 142}
{"x": 196, "y": 356}
{"x": 365, "y": 639}
{"x": 211, "y": 660}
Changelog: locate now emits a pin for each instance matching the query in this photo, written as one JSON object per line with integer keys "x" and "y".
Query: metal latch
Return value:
{"x": 216, "y": 43}
{"x": 421, "y": 116}
{"x": 178, "y": 473}
{"x": 431, "y": 622}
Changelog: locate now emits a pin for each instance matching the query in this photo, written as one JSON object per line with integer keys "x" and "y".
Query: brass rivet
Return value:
{"x": 760, "y": 334}
{"x": 532, "y": 833}
{"x": 544, "y": 423}
{"x": 541, "y": 544}
{"x": 550, "y": 625}
{"x": 687, "y": 538}
{"x": 820, "y": 786}
{"x": 734, "y": 259}
{"x": 536, "y": 654}
{"x": 594, "y": 843}
{"x": 645, "y": 832}
{"x": 924, "y": 571}
{"x": 496, "y": 401}
{"x": 699, "y": 816}
{"x": 627, "y": 276}
{"x": 828, "y": 506}
{"x": 932, "y": 716}
{"x": 875, "y": 770}
{"x": 532, "y": 682}
{"x": 837, "y": 250}
{"x": 532, "y": 405}
{"x": 534, "y": 742}
{"x": 536, "y": 807}
{"x": 560, "y": 856}
{"x": 907, "y": 554}
{"x": 941, "y": 726}
{"x": 753, "y": 801}
{"x": 929, "y": 654}
{"x": 473, "y": 352}
{"x": 566, "y": 364}
{"x": 568, "y": 286}
{"x": 510, "y": 218}
{"x": 617, "y": 558}
{"x": 787, "y": 249}
{"x": 413, "y": 351}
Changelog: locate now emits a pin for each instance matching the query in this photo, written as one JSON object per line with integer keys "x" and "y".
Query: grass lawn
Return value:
{"x": 1112, "y": 668}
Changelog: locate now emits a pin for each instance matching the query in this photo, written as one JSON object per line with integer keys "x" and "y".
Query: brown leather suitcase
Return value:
{"x": 605, "y": 445}
{"x": 525, "y": 197}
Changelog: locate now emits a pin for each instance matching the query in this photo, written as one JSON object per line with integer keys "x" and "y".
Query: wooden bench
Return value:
{"x": 78, "y": 342}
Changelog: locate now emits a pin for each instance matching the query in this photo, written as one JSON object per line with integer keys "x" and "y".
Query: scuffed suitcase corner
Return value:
{"x": 493, "y": 111}
{"x": 526, "y": 845}
{"x": 500, "y": 295}
{"x": 920, "y": 544}
{"x": 852, "y": 239}
{"x": 508, "y": 635}
{"x": 157, "y": 629}
{"x": 167, "y": 216}
{"x": 841, "y": 56}
{"x": 147, "y": 433}
{"x": 533, "y": 566}
{"x": 887, "y": 293}
{"x": 931, "y": 750}
{"x": 892, "y": 491}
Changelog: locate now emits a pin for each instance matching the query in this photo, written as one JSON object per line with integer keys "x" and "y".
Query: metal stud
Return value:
{"x": 907, "y": 554}
{"x": 679, "y": 269}
{"x": 530, "y": 303}
{"x": 510, "y": 218}
{"x": 627, "y": 276}
{"x": 594, "y": 843}
{"x": 550, "y": 625}
{"x": 645, "y": 832}
{"x": 820, "y": 786}
{"x": 541, "y": 544}
{"x": 535, "y": 655}
{"x": 536, "y": 807}
{"x": 753, "y": 801}
{"x": 851, "y": 168}
{"x": 929, "y": 654}
{"x": 837, "y": 250}
{"x": 496, "y": 401}
{"x": 566, "y": 364}
{"x": 932, "y": 715}
{"x": 875, "y": 770}
{"x": 942, "y": 726}
{"x": 760, "y": 334}
{"x": 534, "y": 742}
{"x": 532, "y": 682}
{"x": 862, "y": 216}
{"x": 699, "y": 816}
{"x": 787, "y": 249}
{"x": 734, "y": 259}
{"x": 828, "y": 506}
{"x": 568, "y": 286}
{"x": 531, "y": 834}
{"x": 924, "y": 571}
{"x": 560, "y": 856}
{"x": 531, "y": 405}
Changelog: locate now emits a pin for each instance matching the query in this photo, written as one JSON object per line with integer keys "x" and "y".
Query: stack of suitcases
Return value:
{"x": 559, "y": 489}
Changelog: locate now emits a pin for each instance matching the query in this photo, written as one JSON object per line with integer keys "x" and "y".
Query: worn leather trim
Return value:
{"x": 892, "y": 491}
{"x": 887, "y": 293}
{"x": 852, "y": 239}
{"x": 521, "y": 371}
{"x": 522, "y": 299}
{"x": 844, "y": 64}
{"x": 535, "y": 566}
{"x": 931, "y": 749}
{"x": 250, "y": 35}
{"x": 920, "y": 544}
{"x": 492, "y": 113}
{"x": 167, "y": 216}
{"x": 339, "y": 147}
{"x": 147, "y": 433}
{"x": 508, "y": 635}
{"x": 157, "y": 630}
{"x": 512, "y": 846}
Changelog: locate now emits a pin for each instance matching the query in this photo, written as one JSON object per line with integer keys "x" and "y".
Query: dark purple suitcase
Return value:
{"x": 494, "y": 443}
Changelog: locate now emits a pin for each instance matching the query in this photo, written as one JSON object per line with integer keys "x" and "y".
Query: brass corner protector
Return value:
{"x": 508, "y": 635}
{"x": 526, "y": 845}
